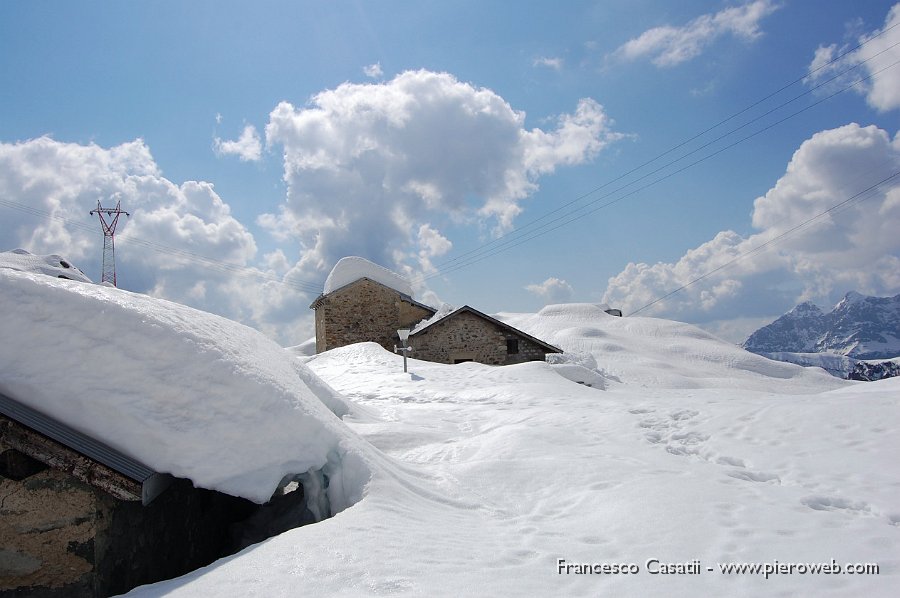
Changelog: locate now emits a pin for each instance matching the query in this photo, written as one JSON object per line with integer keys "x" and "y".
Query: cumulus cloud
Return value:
{"x": 855, "y": 247}
{"x": 180, "y": 243}
{"x": 875, "y": 57}
{"x": 373, "y": 71}
{"x": 247, "y": 147}
{"x": 367, "y": 165}
{"x": 553, "y": 63}
{"x": 431, "y": 244}
{"x": 668, "y": 45}
{"x": 552, "y": 290}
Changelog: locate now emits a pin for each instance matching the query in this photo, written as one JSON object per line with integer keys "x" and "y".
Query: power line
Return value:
{"x": 579, "y": 213}
{"x": 861, "y": 196}
{"x": 488, "y": 249}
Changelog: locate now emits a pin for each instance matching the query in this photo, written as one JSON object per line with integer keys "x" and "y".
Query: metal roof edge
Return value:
{"x": 75, "y": 440}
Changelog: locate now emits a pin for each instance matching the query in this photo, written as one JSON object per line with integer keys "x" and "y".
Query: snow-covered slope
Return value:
{"x": 658, "y": 353}
{"x": 833, "y": 363}
{"x": 860, "y": 327}
{"x": 185, "y": 392}
{"x": 498, "y": 472}
{"x": 473, "y": 480}
{"x": 695, "y": 452}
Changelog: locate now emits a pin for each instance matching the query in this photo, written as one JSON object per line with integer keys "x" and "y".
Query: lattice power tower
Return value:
{"x": 108, "y": 225}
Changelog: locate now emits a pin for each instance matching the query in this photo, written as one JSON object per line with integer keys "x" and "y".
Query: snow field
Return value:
{"x": 490, "y": 475}
{"x": 473, "y": 480}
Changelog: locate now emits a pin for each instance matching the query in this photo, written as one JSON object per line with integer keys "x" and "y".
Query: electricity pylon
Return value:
{"x": 109, "y": 232}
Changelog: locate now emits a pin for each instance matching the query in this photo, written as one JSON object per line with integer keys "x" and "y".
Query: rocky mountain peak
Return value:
{"x": 859, "y": 326}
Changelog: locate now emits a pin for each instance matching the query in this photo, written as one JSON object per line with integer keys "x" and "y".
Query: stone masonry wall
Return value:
{"x": 466, "y": 336}
{"x": 364, "y": 311}
{"x": 62, "y": 537}
{"x": 48, "y": 522}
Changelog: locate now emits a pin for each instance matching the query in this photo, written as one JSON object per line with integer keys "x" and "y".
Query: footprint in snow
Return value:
{"x": 733, "y": 461}
{"x": 754, "y": 476}
{"x": 831, "y": 503}
{"x": 684, "y": 414}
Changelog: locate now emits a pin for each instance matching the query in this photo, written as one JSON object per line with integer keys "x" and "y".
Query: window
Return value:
{"x": 512, "y": 346}
{"x": 17, "y": 466}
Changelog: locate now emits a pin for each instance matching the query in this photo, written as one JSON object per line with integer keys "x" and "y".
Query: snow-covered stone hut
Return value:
{"x": 124, "y": 452}
{"x": 467, "y": 334}
{"x": 364, "y": 302}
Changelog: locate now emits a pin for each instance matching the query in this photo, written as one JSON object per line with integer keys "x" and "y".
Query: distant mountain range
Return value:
{"x": 858, "y": 328}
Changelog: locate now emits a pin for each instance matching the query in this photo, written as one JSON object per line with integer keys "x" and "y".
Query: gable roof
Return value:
{"x": 503, "y": 325}
{"x": 318, "y": 301}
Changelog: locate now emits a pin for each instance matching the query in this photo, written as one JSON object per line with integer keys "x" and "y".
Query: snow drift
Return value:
{"x": 491, "y": 474}
{"x": 659, "y": 353}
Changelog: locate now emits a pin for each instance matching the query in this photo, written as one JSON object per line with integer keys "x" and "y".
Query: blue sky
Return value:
{"x": 269, "y": 139}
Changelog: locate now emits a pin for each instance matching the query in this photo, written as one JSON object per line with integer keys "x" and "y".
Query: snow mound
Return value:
{"x": 578, "y": 367}
{"x": 661, "y": 353}
{"x": 51, "y": 265}
{"x": 352, "y": 268}
{"x": 183, "y": 391}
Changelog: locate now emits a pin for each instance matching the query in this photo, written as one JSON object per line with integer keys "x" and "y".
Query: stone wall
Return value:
{"x": 468, "y": 337}
{"x": 364, "y": 311}
{"x": 48, "y": 522}
{"x": 60, "y": 536}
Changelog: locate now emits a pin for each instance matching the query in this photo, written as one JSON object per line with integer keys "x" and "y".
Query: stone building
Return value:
{"x": 467, "y": 334}
{"x": 78, "y": 518}
{"x": 368, "y": 310}
{"x": 365, "y": 310}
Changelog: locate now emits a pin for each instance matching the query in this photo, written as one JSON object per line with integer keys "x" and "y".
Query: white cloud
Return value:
{"x": 553, "y": 63}
{"x": 247, "y": 147}
{"x": 669, "y": 46}
{"x": 853, "y": 248}
{"x": 373, "y": 71}
{"x": 431, "y": 244}
{"x": 157, "y": 248}
{"x": 552, "y": 290}
{"x": 882, "y": 90}
{"x": 367, "y": 165}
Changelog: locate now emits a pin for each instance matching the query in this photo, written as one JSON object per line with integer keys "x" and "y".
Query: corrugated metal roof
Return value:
{"x": 75, "y": 440}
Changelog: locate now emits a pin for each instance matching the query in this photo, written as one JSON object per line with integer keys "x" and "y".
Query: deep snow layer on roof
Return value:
{"x": 180, "y": 390}
{"x": 51, "y": 265}
{"x": 352, "y": 268}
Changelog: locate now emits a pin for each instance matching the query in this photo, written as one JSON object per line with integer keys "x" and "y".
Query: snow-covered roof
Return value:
{"x": 179, "y": 390}
{"x": 51, "y": 265}
{"x": 352, "y": 268}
